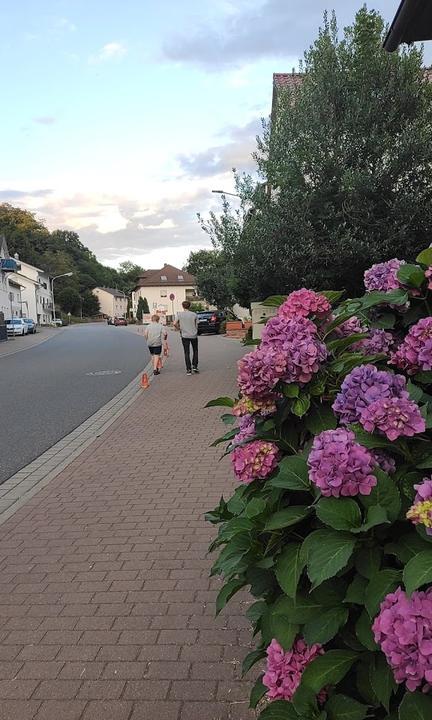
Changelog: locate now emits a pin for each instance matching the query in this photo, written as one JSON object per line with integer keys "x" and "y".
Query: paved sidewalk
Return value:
{"x": 16, "y": 344}
{"x": 106, "y": 607}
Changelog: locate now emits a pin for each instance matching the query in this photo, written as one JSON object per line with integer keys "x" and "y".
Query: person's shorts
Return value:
{"x": 156, "y": 350}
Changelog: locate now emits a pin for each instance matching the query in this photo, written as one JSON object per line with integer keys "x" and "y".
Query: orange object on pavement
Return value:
{"x": 144, "y": 384}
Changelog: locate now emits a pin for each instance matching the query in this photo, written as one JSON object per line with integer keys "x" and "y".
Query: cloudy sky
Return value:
{"x": 119, "y": 118}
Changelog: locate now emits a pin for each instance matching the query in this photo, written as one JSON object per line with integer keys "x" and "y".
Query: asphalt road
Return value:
{"x": 46, "y": 391}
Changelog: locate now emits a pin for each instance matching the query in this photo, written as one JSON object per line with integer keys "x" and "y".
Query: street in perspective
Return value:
{"x": 216, "y": 361}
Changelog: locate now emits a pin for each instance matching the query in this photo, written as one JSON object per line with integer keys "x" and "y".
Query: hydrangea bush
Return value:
{"x": 330, "y": 527}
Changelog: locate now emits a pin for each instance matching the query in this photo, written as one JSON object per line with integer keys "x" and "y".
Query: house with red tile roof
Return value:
{"x": 165, "y": 290}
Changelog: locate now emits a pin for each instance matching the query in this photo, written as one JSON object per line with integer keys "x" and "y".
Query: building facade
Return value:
{"x": 9, "y": 290}
{"x": 159, "y": 287}
{"x": 35, "y": 294}
{"x": 113, "y": 303}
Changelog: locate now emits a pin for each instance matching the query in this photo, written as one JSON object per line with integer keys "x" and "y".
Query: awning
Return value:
{"x": 412, "y": 23}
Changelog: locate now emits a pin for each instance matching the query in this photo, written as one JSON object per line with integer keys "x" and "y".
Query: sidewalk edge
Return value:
{"x": 24, "y": 484}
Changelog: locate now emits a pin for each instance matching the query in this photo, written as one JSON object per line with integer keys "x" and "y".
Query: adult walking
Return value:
{"x": 157, "y": 337}
{"x": 187, "y": 323}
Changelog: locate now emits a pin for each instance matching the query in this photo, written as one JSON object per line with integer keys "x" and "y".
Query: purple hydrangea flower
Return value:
{"x": 384, "y": 461}
{"x": 393, "y": 417}
{"x": 415, "y": 352}
{"x": 403, "y": 630}
{"x": 379, "y": 341}
{"x": 363, "y": 386}
{"x": 420, "y": 513}
{"x": 383, "y": 276}
{"x": 340, "y": 466}
{"x": 246, "y": 427}
{"x": 258, "y": 372}
{"x": 290, "y": 351}
{"x": 279, "y": 329}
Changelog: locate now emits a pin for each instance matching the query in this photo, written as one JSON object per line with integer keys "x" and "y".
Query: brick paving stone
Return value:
{"x": 60, "y": 710}
{"x": 18, "y": 709}
{"x": 157, "y": 711}
{"x": 106, "y": 606}
{"x": 114, "y": 710}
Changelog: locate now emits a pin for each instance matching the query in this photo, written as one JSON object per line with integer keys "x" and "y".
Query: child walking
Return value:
{"x": 157, "y": 337}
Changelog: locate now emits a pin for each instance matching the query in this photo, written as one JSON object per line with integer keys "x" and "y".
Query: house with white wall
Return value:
{"x": 159, "y": 287}
{"x": 113, "y": 303}
{"x": 9, "y": 291}
{"x": 35, "y": 293}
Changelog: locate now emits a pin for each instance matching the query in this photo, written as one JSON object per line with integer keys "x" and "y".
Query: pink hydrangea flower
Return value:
{"x": 403, "y": 630}
{"x": 285, "y": 669}
{"x": 420, "y": 513}
{"x": 415, "y": 352}
{"x": 255, "y": 461}
{"x": 303, "y": 303}
{"x": 428, "y": 274}
{"x": 295, "y": 343}
{"x": 393, "y": 417}
{"x": 340, "y": 466}
{"x": 352, "y": 326}
{"x": 258, "y": 372}
{"x": 248, "y": 406}
{"x": 383, "y": 276}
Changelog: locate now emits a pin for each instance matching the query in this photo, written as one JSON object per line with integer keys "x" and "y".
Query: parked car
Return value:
{"x": 31, "y": 325}
{"x": 57, "y": 322}
{"x": 16, "y": 326}
{"x": 120, "y": 321}
{"x": 210, "y": 321}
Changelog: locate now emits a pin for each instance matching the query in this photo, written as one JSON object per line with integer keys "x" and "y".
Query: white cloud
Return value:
{"x": 110, "y": 51}
{"x": 45, "y": 120}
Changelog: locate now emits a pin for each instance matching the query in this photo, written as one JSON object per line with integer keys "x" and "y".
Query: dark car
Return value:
{"x": 119, "y": 321}
{"x": 210, "y": 321}
{"x": 31, "y": 325}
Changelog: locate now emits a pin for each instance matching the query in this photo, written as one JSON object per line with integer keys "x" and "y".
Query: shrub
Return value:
{"x": 330, "y": 527}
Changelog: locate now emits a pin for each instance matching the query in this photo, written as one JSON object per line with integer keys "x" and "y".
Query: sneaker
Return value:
{"x": 156, "y": 372}
{"x": 196, "y": 371}
{"x": 189, "y": 372}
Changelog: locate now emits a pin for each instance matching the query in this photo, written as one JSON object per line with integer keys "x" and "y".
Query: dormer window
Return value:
{"x": 163, "y": 278}
{"x": 180, "y": 277}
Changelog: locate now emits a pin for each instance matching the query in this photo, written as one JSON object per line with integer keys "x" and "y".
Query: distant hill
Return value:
{"x": 59, "y": 252}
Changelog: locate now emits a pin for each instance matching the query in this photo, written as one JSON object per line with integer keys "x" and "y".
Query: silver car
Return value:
{"x": 16, "y": 326}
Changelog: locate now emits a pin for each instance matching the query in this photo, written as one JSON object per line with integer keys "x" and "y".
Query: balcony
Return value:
{"x": 9, "y": 265}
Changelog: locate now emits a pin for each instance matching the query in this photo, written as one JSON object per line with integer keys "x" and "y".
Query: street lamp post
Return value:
{"x": 68, "y": 274}
{"x": 222, "y": 192}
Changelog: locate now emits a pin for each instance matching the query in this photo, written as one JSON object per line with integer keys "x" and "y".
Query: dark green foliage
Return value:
{"x": 320, "y": 567}
{"x": 346, "y": 168}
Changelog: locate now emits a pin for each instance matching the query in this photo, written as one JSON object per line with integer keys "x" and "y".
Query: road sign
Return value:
{"x": 172, "y": 296}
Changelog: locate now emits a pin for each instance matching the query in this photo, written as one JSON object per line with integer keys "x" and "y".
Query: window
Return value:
{"x": 180, "y": 277}
{"x": 164, "y": 278}
{"x": 163, "y": 292}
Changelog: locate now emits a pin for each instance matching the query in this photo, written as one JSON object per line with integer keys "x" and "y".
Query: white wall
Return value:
{"x": 111, "y": 305}
{"x": 158, "y": 298}
{"x": 4, "y": 295}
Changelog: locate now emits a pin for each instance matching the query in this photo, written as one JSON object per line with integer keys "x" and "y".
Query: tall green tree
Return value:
{"x": 69, "y": 300}
{"x": 141, "y": 308}
{"x": 348, "y": 159}
{"x": 90, "y": 304}
{"x": 213, "y": 273}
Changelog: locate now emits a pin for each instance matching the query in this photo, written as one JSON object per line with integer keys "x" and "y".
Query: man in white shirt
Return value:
{"x": 187, "y": 322}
